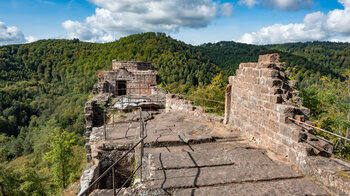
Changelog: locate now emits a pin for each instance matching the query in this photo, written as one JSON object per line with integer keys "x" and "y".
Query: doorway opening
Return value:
{"x": 121, "y": 87}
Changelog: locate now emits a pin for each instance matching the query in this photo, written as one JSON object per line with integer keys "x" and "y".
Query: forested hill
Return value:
{"x": 44, "y": 85}
{"x": 52, "y": 76}
{"x": 308, "y": 61}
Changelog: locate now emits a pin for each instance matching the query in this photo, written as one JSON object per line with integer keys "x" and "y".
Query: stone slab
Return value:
{"x": 218, "y": 144}
{"x": 219, "y": 175}
{"x": 291, "y": 187}
{"x": 187, "y": 155}
{"x": 243, "y": 157}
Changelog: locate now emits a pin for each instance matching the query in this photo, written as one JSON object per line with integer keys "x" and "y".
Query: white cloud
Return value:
{"x": 10, "y": 35}
{"x": 226, "y": 9}
{"x": 279, "y": 4}
{"x": 118, "y": 18}
{"x": 339, "y": 20}
{"x": 288, "y": 4}
{"x": 345, "y": 3}
{"x": 30, "y": 39}
{"x": 340, "y": 39}
{"x": 316, "y": 26}
{"x": 249, "y": 3}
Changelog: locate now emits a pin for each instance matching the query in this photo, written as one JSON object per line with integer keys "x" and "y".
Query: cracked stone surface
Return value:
{"x": 284, "y": 187}
{"x": 186, "y": 155}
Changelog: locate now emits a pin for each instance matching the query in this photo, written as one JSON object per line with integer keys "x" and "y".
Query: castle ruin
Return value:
{"x": 254, "y": 150}
{"x": 127, "y": 78}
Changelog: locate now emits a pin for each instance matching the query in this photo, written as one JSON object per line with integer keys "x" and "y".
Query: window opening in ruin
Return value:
{"x": 121, "y": 87}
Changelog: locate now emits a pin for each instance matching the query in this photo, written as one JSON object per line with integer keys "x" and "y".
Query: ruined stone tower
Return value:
{"x": 127, "y": 78}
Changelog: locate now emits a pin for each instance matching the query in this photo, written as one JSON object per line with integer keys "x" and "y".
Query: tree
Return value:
{"x": 331, "y": 99}
{"x": 9, "y": 181}
{"x": 60, "y": 156}
{"x": 31, "y": 182}
{"x": 3, "y": 147}
{"x": 214, "y": 91}
{"x": 347, "y": 105}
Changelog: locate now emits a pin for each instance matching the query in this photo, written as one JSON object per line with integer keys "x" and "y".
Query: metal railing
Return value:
{"x": 203, "y": 102}
{"x": 143, "y": 136}
{"x": 204, "y": 99}
{"x": 325, "y": 131}
{"x": 125, "y": 102}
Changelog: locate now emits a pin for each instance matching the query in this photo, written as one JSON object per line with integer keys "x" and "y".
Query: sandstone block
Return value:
{"x": 231, "y": 79}
{"x": 255, "y": 73}
{"x": 269, "y": 73}
{"x": 270, "y": 134}
{"x": 251, "y": 65}
{"x": 268, "y": 65}
{"x": 264, "y": 90}
{"x": 268, "y": 105}
{"x": 292, "y": 132}
{"x": 286, "y": 141}
{"x": 274, "y": 115}
{"x": 269, "y": 58}
{"x": 300, "y": 118}
{"x": 273, "y": 125}
{"x": 292, "y": 155}
{"x": 282, "y": 150}
{"x": 305, "y": 111}
{"x": 285, "y": 109}
{"x": 274, "y": 83}
{"x": 302, "y": 149}
{"x": 275, "y": 91}
{"x": 276, "y": 99}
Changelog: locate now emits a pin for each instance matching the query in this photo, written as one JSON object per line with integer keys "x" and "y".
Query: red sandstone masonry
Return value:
{"x": 177, "y": 103}
{"x": 258, "y": 101}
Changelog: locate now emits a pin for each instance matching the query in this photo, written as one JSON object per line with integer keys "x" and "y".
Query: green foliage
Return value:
{"x": 307, "y": 61}
{"x": 330, "y": 102}
{"x": 31, "y": 182}
{"x": 4, "y": 140}
{"x": 44, "y": 86}
{"x": 213, "y": 91}
{"x": 330, "y": 57}
{"x": 60, "y": 156}
{"x": 25, "y": 181}
{"x": 9, "y": 181}
{"x": 228, "y": 55}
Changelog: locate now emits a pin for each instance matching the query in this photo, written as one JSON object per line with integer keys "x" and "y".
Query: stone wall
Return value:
{"x": 132, "y": 65}
{"x": 139, "y": 78}
{"x": 176, "y": 103}
{"x": 142, "y": 83}
{"x": 259, "y": 100}
{"x": 94, "y": 117}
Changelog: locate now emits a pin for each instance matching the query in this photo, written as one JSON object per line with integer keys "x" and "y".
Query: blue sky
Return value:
{"x": 192, "y": 21}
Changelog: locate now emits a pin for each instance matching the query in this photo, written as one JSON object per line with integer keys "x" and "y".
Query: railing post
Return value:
{"x": 122, "y": 103}
{"x": 113, "y": 118}
{"x": 104, "y": 124}
{"x": 113, "y": 181}
{"x": 142, "y": 142}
